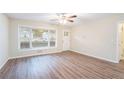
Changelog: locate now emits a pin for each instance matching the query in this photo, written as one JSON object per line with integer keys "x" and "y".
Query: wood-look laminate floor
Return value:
{"x": 65, "y": 65}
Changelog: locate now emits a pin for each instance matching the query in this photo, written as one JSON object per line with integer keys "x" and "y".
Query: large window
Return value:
{"x": 35, "y": 38}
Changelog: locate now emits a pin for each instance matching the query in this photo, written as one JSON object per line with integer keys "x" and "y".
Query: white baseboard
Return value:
{"x": 58, "y": 52}
{"x": 34, "y": 55}
{"x": 101, "y": 58}
{"x": 4, "y": 63}
{"x": 27, "y": 56}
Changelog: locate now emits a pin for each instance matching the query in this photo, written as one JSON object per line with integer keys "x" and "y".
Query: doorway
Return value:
{"x": 66, "y": 40}
{"x": 121, "y": 41}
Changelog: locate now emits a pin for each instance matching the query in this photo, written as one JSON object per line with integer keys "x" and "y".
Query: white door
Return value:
{"x": 66, "y": 40}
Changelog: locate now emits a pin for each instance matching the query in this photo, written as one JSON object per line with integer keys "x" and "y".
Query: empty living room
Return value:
{"x": 62, "y": 46}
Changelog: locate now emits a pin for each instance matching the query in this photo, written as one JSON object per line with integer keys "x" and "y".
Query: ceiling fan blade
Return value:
{"x": 70, "y": 20}
{"x": 73, "y": 16}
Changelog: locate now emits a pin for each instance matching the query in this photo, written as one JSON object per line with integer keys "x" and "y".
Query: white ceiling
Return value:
{"x": 47, "y": 17}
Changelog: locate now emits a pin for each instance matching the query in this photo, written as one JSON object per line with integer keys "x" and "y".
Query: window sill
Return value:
{"x": 35, "y": 49}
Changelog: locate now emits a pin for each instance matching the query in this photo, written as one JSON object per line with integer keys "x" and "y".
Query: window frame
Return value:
{"x": 37, "y": 48}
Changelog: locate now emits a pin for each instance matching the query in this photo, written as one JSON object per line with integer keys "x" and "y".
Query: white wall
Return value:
{"x": 14, "y": 51}
{"x": 3, "y": 40}
{"x": 97, "y": 38}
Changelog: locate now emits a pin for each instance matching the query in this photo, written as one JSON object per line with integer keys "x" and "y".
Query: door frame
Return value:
{"x": 118, "y": 53}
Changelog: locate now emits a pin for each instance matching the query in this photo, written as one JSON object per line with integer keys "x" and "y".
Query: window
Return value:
{"x": 40, "y": 38}
{"x": 52, "y": 36}
{"x": 24, "y": 38}
{"x": 33, "y": 38}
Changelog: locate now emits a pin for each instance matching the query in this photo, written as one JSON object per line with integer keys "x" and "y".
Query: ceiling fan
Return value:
{"x": 64, "y": 17}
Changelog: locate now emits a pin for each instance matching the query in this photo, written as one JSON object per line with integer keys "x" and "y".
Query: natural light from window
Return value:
{"x": 36, "y": 38}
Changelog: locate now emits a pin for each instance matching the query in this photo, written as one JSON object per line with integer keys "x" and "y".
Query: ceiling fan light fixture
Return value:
{"x": 61, "y": 21}
{"x": 64, "y": 21}
{"x": 64, "y": 18}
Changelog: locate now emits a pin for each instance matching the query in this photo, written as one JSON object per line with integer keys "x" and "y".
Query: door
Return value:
{"x": 122, "y": 42}
{"x": 66, "y": 40}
